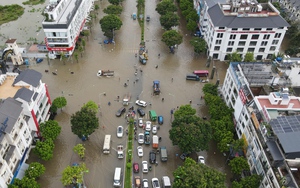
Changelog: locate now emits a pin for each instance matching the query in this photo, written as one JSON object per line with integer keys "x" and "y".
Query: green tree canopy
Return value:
{"x": 184, "y": 110}
{"x": 109, "y": 24}
{"x": 210, "y": 88}
{"x": 249, "y": 57}
{"x": 50, "y": 129}
{"x": 252, "y": 181}
{"x": 84, "y": 122}
{"x": 234, "y": 57}
{"x": 35, "y": 170}
{"x": 59, "y": 102}
{"x": 192, "y": 26}
{"x": 199, "y": 44}
{"x": 185, "y": 5}
{"x": 44, "y": 150}
{"x": 91, "y": 105}
{"x": 238, "y": 164}
{"x": 73, "y": 174}
{"x": 165, "y": 6}
{"x": 193, "y": 16}
{"x": 194, "y": 175}
{"x": 25, "y": 182}
{"x": 172, "y": 38}
{"x": 79, "y": 149}
{"x": 76, "y": 56}
{"x": 115, "y": 2}
{"x": 169, "y": 20}
{"x": 113, "y": 9}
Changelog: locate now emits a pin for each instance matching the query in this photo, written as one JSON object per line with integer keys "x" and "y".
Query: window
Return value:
{"x": 275, "y": 42}
{"x": 230, "y": 43}
{"x": 253, "y": 43}
{"x": 250, "y": 50}
{"x": 259, "y": 57}
{"x": 205, "y": 20}
{"x": 217, "y": 48}
{"x": 221, "y": 27}
{"x": 254, "y": 36}
{"x": 232, "y": 36}
{"x": 218, "y": 41}
{"x": 229, "y": 50}
{"x": 234, "y": 29}
{"x": 220, "y": 35}
{"x": 246, "y": 29}
{"x": 242, "y": 43}
{"x": 277, "y": 35}
{"x": 272, "y": 48}
{"x": 266, "y": 36}
{"x": 243, "y": 36}
{"x": 54, "y": 34}
{"x": 215, "y": 56}
{"x": 240, "y": 49}
{"x": 261, "y": 50}
{"x": 264, "y": 43}
{"x": 257, "y": 29}
{"x": 270, "y": 56}
{"x": 269, "y": 29}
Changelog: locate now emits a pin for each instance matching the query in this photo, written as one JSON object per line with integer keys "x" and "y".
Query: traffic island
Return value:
{"x": 129, "y": 152}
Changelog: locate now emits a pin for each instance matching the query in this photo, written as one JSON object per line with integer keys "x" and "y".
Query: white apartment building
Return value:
{"x": 252, "y": 114}
{"x": 64, "y": 21}
{"x": 240, "y": 26}
{"x": 24, "y": 104}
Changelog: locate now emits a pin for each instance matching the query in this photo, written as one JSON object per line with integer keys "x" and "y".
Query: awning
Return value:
{"x": 274, "y": 150}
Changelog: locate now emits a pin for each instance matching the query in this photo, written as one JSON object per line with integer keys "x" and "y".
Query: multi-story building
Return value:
{"x": 256, "y": 117}
{"x": 241, "y": 26}
{"x": 64, "y": 21}
{"x": 24, "y": 104}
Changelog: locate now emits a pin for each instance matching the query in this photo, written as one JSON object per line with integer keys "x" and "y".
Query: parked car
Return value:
{"x": 147, "y": 138}
{"x": 120, "y": 131}
{"x": 155, "y": 183}
{"x": 141, "y": 123}
{"x": 145, "y": 183}
{"x": 201, "y": 159}
{"x": 183, "y": 156}
{"x": 145, "y": 166}
{"x": 152, "y": 157}
{"x": 148, "y": 126}
{"x": 141, "y": 103}
{"x": 154, "y": 129}
{"x": 141, "y": 138}
{"x": 160, "y": 120}
{"x": 135, "y": 167}
{"x": 137, "y": 180}
{"x": 140, "y": 151}
{"x": 141, "y": 111}
{"x": 121, "y": 111}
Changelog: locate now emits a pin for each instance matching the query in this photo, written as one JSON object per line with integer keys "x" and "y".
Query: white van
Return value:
{"x": 106, "y": 145}
{"x": 166, "y": 182}
{"x": 118, "y": 177}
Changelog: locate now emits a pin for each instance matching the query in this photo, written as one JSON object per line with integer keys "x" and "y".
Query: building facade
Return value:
{"x": 64, "y": 21}
{"x": 240, "y": 26}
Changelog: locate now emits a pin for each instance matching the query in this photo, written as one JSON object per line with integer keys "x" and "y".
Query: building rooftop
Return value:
{"x": 11, "y": 41}
{"x": 294, "y": 104}
{"x": 24, "y": 94}
{"x": 7, "y": 89}
{"x": 29, "y": 76}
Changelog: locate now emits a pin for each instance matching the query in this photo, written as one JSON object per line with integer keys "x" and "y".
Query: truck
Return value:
{"x": 126, "y": 99}
{"x": 120, "y": 152}
{"x": 142, "y": 59}
{"x": 143, "y": 54}
{"x": 156, "y": 87}
{"x": 155, "y": 142}
{"x": 147, "y": 138}
{"x": 105, "y": 73}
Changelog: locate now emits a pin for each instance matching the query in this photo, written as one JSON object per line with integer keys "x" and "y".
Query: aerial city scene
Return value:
{"x": 140, "y": 93}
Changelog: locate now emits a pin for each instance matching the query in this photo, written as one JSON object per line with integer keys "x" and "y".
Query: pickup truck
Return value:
{"x": 105, "y": 73}
{"x": 126, "y": 99}
{"x": 156, "y": 87}
{"x": 120, "y": 152}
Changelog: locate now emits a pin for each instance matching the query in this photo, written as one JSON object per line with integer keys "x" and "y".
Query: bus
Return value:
{"x": 106, "y": 145}
{"x": 201, "y": 73}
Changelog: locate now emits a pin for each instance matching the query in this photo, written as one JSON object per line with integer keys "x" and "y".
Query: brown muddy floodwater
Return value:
{"x": 84, "y": 85}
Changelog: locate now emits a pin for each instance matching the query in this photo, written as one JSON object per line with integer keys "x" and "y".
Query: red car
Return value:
{"x": 136, "y": 168}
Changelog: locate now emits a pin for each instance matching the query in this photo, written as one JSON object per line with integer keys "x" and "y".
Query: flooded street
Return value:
{"x": 84, "y": 85}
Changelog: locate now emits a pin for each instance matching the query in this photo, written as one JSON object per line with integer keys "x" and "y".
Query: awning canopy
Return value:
{"x": 274, "y": 150}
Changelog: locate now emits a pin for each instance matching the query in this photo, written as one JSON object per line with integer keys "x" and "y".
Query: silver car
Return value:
{"x": 120, "y": 131}
{"x": 141, "y": 138}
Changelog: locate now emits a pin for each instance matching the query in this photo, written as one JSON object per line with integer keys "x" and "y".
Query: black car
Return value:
{"x": 184, "y": 155}
{"x": 152, "y": 157}
{"x": 141, "y": 111}
{"x": 120, "y": 111}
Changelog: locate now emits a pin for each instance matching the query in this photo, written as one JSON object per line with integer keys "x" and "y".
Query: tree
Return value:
{"x": 192, "y": 26}
{"x": 252, "y": 181}
{"x": 76, "y": 56}
{"x": 234, "y": 57}
{"x": 84, "y": 122}
{"x": 73, "y": 175}
{"x": 83, "y": 43}
{"x": 79, "y": 149}
{"x": 169, "y": 20}
{"x": 191, "y": 174}
{"x": 172, "y": 38}
{"x": 80, "y": 48}
{"x": 44, "y": 150}
{"x": 238, "y": 164}
{"x": 109, "y": 24}
{"x": 25, "y": 182}
{"x": 185, "y": 5}
{"x": 115, "y": 2}
{"x": 199, "y": 45}
{"x": 91, "y": 105}
{"x": 210, "y": 88}
{"x": 97, "y": 7}
{"x": 63, "y": 57}
{"x": 193, "y": 16}
{"x": 59, "y": 102}
{"x": 113, "y": 9}
{"x": 35, "y": 170}
{"x": 249, "y": 57}
{"x": 86, "y": 33}
{"x": 165, "y": 6}
{"x": 50, "y": 129}
{"x": 184, "y": 110}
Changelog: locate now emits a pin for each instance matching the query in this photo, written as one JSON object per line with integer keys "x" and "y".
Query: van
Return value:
{"x": 166, "y": 182}
{"x": 117, "y": 177}
{"x": 152, "y": 115}
{"x": 192, "y": 77}
{"x": 163, "y": 154}
{"x": 160, "y": 120}
{"x": 106, "y": 145}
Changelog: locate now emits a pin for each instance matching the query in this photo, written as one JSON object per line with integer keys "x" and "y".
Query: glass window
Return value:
{"x": 230, "y": 43}
{"x": 254, "y": 36}
{"x": 242, "y": 43}
{"x": 253, "y": 43}
{"x": 234, "y": 29}
{"x": 246, "y": 29}
{"x": 266, "y": 36}
{"x": 277, "y": 35}
{"x": 240, "y": 49}
{"x": 272, "y": 48}
{"x": 264, "y": 43}
{"x": 243, "y": 36}
{"x": 217, "y": 47}
{"x": 221, "y": 27}
{"x": 275, "y": 42}
{"x": 232, "y": 36}
{"x": 250, "y": 49}
{"x": 261, "y": 50}
{"x": 229, "y": 50}
{"x": 220, "y": 35}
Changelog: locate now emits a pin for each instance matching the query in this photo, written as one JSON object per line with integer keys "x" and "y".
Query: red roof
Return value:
{"x": 11, "y": 41}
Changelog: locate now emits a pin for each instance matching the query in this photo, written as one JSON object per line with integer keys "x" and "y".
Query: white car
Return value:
{"x": 141, "y": 123}
{"x": 141, "y": 103}
{"x": 154, "y": 129}
{"x": 148, "y": 126}
{"x": 201, "y": 159}
{"x": 141, "y": 138}
{"x": 155, "y": 183}
{"x": 145, "y": 166}
{"x": 120, "y": 131}
{"x": 140, "y": 151}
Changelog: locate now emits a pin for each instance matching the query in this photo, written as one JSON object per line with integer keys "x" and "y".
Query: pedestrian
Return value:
{"x": 162, "y": 99}
{"x": 172, "y": 79}
{"x": 128, "y": 80}
{"x": 118, "y": 96}
{"x": 177, "y": 107}
{"x": 156, "y": 66}
{"x": 201, "y": 97}
{"x": 176, "y": 155}
{"x": 133, "y": 82}
{"x": 190, "y": 101}
{"x": 158, "y": 55}
{"x": 103, "y": 127}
